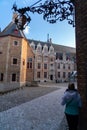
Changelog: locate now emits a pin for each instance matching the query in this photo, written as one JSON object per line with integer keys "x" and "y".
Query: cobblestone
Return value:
{"x": 20, "y": 96}
{"x": 36, "y": 108}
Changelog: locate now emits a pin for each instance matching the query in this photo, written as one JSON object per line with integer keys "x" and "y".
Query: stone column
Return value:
{"x": 81, "y": 54}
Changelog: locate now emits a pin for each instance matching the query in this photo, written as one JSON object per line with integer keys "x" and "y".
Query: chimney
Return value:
{"x": 47, "y": 37}
{"x": 50, "y": 40}
{"x": 15, "y": 15}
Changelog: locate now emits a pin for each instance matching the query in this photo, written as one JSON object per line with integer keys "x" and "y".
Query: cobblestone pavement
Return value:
{"x": 20, "y": 96}
{"x": 44, "y": 112}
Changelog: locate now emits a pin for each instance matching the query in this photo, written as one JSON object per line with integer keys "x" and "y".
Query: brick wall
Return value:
{"x": 30, "y": 71}
{"x": 81, "y": 49}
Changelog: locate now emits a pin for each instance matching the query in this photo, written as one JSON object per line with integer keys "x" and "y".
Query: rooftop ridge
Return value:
{"x": 12, "y": 30}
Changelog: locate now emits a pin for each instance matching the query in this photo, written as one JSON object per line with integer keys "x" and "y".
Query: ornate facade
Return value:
{"x": 52, "y": 62}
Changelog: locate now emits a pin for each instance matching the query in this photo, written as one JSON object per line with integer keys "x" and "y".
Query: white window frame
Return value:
{"x": 12, "y": 61}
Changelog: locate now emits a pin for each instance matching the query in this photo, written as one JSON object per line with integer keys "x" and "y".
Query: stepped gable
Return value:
{"x": 12, "y": 30}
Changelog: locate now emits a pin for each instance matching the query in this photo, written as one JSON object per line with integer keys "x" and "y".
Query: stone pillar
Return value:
{"x": 81, "y": 54}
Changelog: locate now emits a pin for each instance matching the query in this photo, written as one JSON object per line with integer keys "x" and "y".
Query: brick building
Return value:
{"x": 15, "y": 56}
{"x": 81, "y": 53}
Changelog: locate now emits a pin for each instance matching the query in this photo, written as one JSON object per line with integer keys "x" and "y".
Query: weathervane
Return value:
{"x": 52, "y": 11}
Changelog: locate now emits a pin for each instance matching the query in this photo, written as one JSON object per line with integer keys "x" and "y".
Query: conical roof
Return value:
{"x": 12, "y": 30}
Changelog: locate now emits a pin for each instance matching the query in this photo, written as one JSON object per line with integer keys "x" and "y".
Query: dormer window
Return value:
{"x": 45, "y": 49}
{"x": 51, "y": 49}
{"x": 32, "y": 46}
{"x": 15, "y": 43}
{"x": 39, "y": 47}
{"x": 16, "y": 31}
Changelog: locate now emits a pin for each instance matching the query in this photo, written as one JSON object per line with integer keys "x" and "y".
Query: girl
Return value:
{"x": 72, "y": 100}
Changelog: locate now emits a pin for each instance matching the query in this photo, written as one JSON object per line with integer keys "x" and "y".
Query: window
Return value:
{"x": 64, "y": 74}
{"x": 74, "y": 59}
{"x": 13, "y": 77}
{"x": 29, "y": 63}
{"x": 38, "y": 74}
{"x": 39, "y": 48}
{"x": 68, "y": 74}
{"x": 63, "y": 66}
{"x": 69, "y": 67}
{"x": 0, "y": 52}
{"x": 1, "y": 76}
{"x": 15, "y": 31}
{"x": 32, "y": 45}
{"x": 67, "y": 56}
{"x": 45, "y": 49}
{"x": 45, "y": 74}
{"x": 39, "y": 65}
{"x": 51, "y": 59}
{"x": 58, "y": 74}
{"x": 51, "y": 49}
{"x": 23, "y": 61}
{"x": 51, "y": 65}
{"x": 39, "y": 58}
{"x": 45, "y": 66}
{"x": 45, "y": 58}
{"x": 15, "y": 43}
{"x": 58, "y": 65}
{"x": 59, "y": 56}
{"x": 29, "y": 59}
{"x": 14, "y": 61}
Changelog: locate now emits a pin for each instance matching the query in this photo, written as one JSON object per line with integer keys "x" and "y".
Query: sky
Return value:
{"x": 61, "y": 33}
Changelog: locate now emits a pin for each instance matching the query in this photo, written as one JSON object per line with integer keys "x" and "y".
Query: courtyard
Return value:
{"x": 19, "y": 96}
{"x": 37, "y": 108}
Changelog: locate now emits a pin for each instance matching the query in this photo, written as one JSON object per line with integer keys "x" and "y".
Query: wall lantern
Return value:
{"x": 52, "y": 10}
